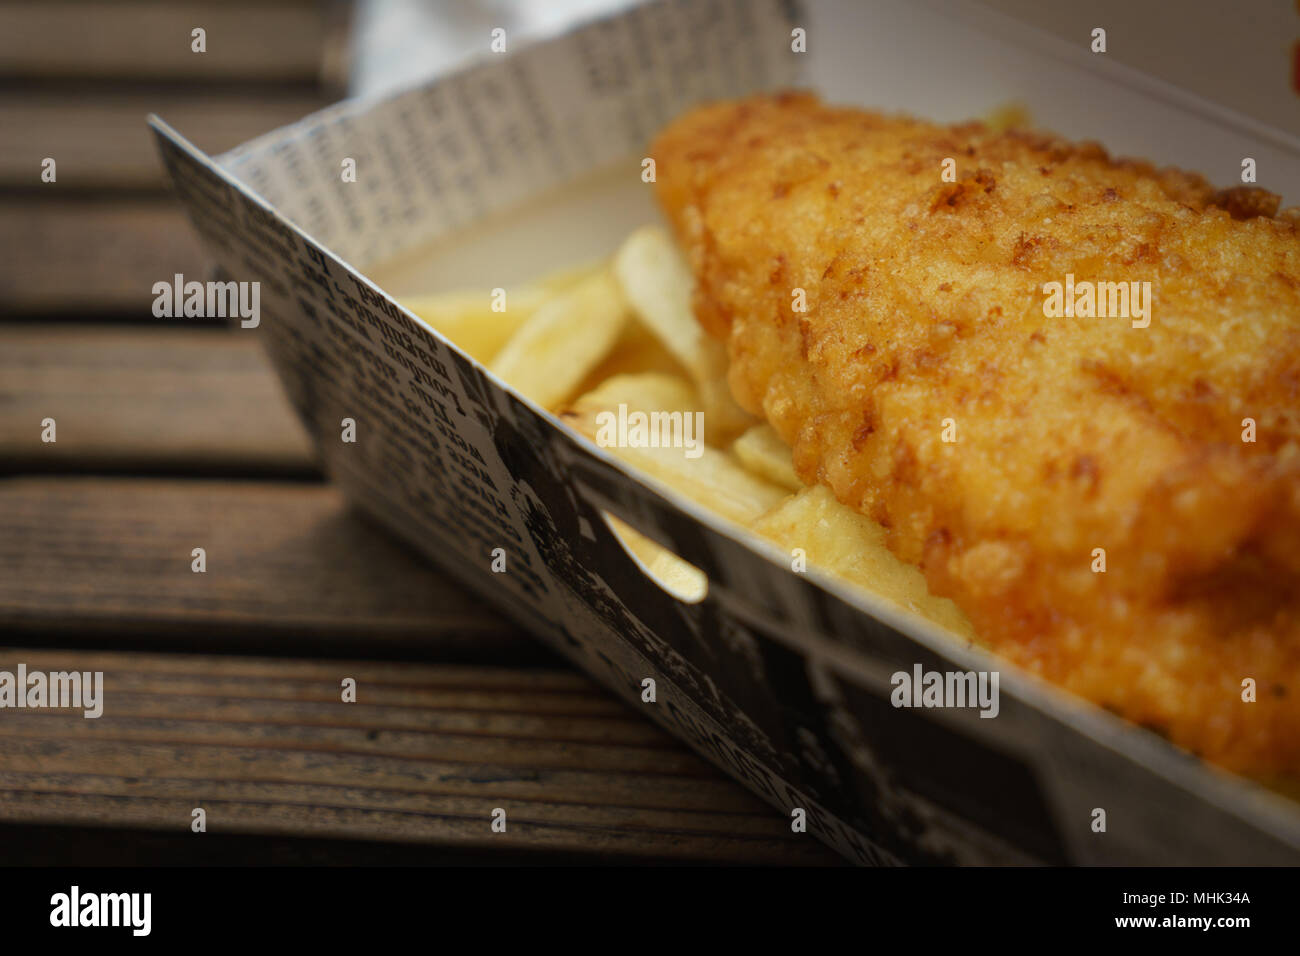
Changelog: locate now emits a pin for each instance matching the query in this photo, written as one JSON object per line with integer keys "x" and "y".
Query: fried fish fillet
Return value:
{"x": 1073, "y": 440}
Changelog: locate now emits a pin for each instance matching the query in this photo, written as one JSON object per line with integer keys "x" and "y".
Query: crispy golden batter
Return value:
{"x": 925, "y": 302}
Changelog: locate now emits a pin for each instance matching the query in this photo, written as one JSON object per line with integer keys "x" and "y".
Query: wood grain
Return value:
{"x": 169, "y": 399}
{"x": 102, "y": 561}
{"x": 425, "y": 755}
{"x": 139, "y": 39}
{"x": 92, "y": 256}
{"x": 101, "y": 141}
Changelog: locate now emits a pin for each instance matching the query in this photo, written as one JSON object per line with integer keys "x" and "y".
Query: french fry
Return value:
{"x": 468, "y": 320}
{"x": 636, "y": 351}
{"x": 560, "y": 343}
{"x": 658, "y": 285}
{"x": 713, "y": 479}
{"x": 761, "y": 450}
{"x": 851, "y": 546}
{"x": 467, "y": 317}
{"x": 679, "y": 578}
{"x": 567, "y": 278}
{"x": 649, "y": 390}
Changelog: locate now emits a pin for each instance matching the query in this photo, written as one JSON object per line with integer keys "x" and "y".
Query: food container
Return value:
{"x": 531, "y": 160}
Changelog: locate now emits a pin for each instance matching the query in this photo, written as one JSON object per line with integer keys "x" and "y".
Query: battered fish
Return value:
{"x": 1010, "y": 454}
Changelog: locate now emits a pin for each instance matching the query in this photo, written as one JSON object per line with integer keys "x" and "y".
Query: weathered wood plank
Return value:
{"x": 425, "y": 756}
{"x": 126, "y": 398}
{"x": 99, "y": 140}
{"x": 149, "y": 40}
{"x": 92, "y": 256}
{"x": 101, "y": 561}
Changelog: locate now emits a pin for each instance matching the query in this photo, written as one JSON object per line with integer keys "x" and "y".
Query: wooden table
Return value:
{"x": 222, "y": 688}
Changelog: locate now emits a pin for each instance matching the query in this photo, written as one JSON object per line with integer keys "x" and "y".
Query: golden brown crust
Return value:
{"x": 925, "y": 303}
